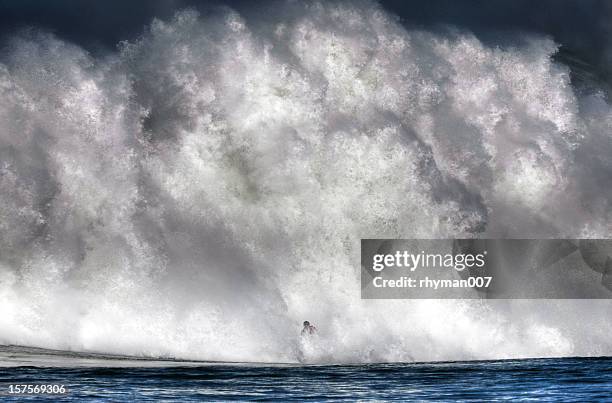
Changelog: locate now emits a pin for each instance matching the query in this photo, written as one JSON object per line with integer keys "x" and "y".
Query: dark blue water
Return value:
{"x": 555, "y": 380}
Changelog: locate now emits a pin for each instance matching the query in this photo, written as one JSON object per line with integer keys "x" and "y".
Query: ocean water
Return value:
{"x": 554, "y": 380}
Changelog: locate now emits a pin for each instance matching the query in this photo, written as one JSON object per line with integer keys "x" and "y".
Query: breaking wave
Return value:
{"x": 202, "y": 190}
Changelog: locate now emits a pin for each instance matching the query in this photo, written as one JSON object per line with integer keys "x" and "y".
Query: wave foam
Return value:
{"x": 202, "y": 191}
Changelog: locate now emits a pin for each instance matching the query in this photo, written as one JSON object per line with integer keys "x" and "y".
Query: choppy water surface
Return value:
{"x": 567, "y": 379}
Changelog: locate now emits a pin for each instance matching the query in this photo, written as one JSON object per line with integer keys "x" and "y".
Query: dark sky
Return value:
{"x": 582, "y": 26}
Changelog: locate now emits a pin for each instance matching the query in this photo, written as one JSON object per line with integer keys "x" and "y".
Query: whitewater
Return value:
{"x": 203, "y": 189}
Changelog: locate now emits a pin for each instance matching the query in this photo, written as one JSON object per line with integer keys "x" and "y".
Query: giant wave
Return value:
{"x": 201, "y": 191}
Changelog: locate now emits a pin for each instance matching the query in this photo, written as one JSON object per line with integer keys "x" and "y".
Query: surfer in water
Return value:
{"x": 308, "y": 344}
{"x": 308, "y": 329}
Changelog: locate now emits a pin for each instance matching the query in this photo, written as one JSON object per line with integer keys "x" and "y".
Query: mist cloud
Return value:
{"x": 202, "y": 189}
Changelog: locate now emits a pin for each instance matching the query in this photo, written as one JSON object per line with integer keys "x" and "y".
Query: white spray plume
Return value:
{"x": 203, "y": 191}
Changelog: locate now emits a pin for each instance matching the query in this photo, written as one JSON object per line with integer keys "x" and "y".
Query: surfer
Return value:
{"x": 308, "y": 329}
